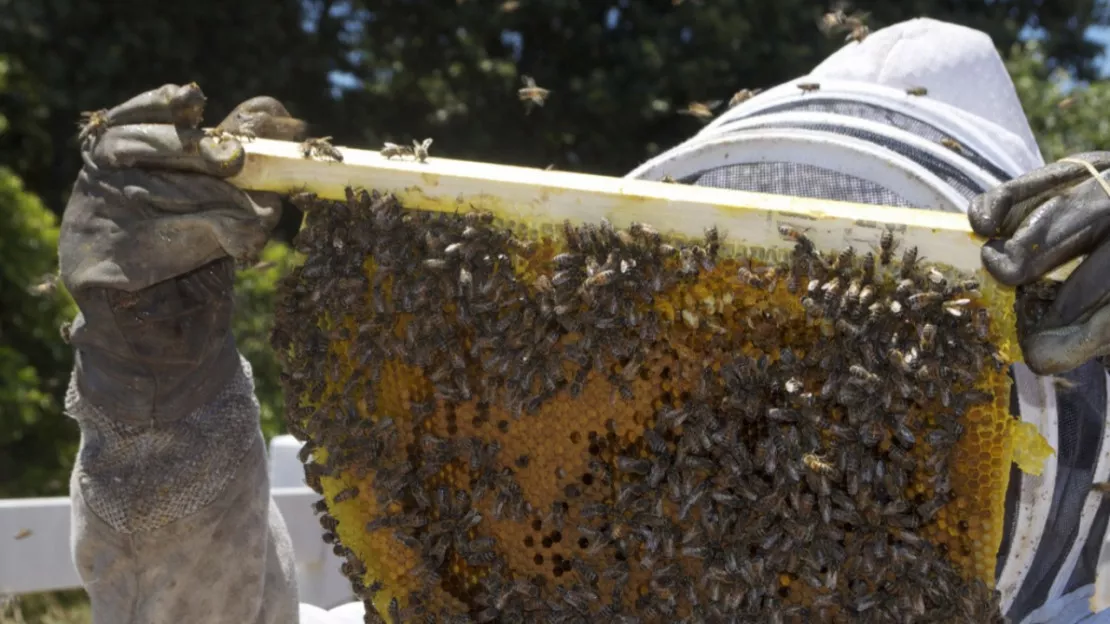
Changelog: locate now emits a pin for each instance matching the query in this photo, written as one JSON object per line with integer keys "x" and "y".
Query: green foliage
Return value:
{"x": 618, "y": 71}
{"x": 36, "y": 441}
{"x": 1066, "y": 117}
{"x": 254, "y": 305}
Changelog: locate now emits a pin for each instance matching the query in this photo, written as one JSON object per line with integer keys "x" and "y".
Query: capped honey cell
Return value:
{"x": 552, "y": 424}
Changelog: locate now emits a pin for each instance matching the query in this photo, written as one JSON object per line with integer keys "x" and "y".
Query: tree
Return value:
{"x": 1066, "y": 117}
{"x": 619, "y": 71}
{"x": 37, "y": 442}
{"x": 79, "y": 56}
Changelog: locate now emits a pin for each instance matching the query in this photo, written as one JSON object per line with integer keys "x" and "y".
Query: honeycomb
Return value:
{"x": 584, "y": 424}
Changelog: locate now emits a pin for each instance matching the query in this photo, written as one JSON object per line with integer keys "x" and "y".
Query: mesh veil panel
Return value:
{"x": 799, "y": 180}
{"x": 1081, "y": 410}
{"x": 875, "y": 113}
{"x": 811, "y": 181}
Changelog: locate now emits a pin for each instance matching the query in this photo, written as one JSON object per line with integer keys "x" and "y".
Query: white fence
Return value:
{"x": 35, "y": 552}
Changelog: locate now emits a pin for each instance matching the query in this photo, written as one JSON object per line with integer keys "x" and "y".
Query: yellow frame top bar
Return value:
{"x": 540, "y": 197}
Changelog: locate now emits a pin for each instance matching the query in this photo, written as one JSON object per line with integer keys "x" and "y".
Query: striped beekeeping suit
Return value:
{"x": 862, "y": 137}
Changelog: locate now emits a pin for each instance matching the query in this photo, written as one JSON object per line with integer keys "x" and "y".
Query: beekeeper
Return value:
{"x": 172, "y": 515}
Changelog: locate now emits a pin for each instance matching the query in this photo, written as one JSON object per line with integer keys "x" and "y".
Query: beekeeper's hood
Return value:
{"x": 862, "y": 137}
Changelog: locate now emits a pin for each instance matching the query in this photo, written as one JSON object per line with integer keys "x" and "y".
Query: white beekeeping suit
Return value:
{"x": 862, "y": 138}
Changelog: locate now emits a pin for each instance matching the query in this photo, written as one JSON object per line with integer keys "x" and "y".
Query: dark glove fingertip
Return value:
{"x": 1000, "y": 265}
{"x": 224, "y": 158}
{"x": 986, "y": 211}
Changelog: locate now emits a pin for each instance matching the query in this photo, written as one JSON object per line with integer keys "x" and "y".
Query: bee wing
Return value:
{"x": 529, "y": 82}
{"x": 427, "y": 143}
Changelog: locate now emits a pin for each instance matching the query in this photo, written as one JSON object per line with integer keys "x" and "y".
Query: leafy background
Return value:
{"x": 393, "y": 70}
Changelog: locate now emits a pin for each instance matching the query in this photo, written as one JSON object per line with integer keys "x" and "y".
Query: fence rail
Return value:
{"x": 35, "y": 552}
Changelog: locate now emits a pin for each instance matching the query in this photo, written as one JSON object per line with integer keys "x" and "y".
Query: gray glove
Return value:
{"x": 172, "y": 516}
{"x": 1039, "y": 222}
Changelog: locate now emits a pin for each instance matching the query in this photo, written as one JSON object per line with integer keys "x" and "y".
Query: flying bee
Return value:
{"x": 809, "y": 87}
{"x": 392, "y": 150}
{"x": 701, "y": 110}
{"x": 531, "y": 94}
{"x": 321, "y": 149}
{"x": 420, "y": 149}
{"x": 743, "y": 95}
{"x": 1101, "y": 487}
{"x": 46, "y": 285}
{"x": 952, "y": 144}
{"x": 917, "y": 91}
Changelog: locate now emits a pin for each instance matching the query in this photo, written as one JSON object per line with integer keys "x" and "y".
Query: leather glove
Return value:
{"x": 1038, "y": 222}
{"x": 148, "y": 243}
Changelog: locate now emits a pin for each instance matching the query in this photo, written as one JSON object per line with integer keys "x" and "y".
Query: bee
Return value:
{"x": 92, "y": 125}
{"x": 981, "y": 324}
{"x": 909, "y": 261}
{"x": 1102, "y": 487}
{"x": 793, "y": 234}
{"x": 886, "y": 247}
{"x": 1065, "y": 103}
{"x": 749, "y": 277}
{"x": 392, "y": 150}
{"x": 917, "y": 91}
{"x": 321, "y": 149}
{"x": 952, "y": 144}
{"x": 701, "y": 110}
{"x": 924, "y": 299}
{"x": 668, "y": 180}
{"x": 817, "y": 464}
{"x": 23, "y": 534}
{"x": 928, "y": 337}
{"x": 743, "y": 95}
{"x": 46, "y": 285}
{"x": 858, "y": 32}
{"x": 531, "y": 94}
{"x": 863, "y": 374}
{"x": 420, "y": 149}
{"x": 809, "y": 87}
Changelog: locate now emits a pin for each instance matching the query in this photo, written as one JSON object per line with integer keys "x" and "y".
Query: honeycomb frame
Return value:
{"x": 468, "y": 188}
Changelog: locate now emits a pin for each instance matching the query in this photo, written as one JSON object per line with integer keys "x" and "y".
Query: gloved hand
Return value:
{"x": 148, "y": 206}
{"x": 1038, "y": 222}
{"x": 172, "y": 515}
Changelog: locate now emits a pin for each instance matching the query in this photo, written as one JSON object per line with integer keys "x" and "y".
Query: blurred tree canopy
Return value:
{"x": 370, "y": 71}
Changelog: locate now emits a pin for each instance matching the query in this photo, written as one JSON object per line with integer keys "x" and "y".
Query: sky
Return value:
{"x": 1101, "y": 34}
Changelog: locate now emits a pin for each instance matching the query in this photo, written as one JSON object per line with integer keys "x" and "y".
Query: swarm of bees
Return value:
{"x": 600, "y": 424}
{"x": 839, "y": 20}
